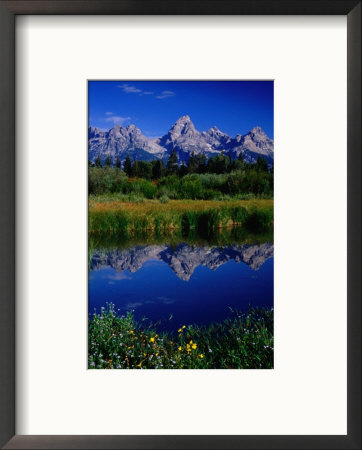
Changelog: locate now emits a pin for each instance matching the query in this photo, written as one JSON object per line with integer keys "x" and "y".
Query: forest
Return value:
{"x": 217, "y": 178}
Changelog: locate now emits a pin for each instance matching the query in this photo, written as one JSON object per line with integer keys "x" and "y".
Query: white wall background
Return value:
{"x": 306, "y": 392}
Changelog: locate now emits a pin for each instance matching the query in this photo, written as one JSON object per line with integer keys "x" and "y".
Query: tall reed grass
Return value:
{"x": 114, "y": 217}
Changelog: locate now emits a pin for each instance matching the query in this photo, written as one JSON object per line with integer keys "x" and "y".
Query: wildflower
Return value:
{"x": 139, "y": 365}
{"x": 144, "y": 354}
{"x": 157, "y": 354}
{"x": 183, "y": 327}
{"x": 194, "y": 346}
{"x": 180, "y": 348}
{"x": 201, "y": 355}
{"x": 179, "y": 330}
{"x": 152, "y": 339}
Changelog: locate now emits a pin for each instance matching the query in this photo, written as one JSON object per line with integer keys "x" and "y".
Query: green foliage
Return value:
{"x": 127, "y": 167}
{"x": 243, "y": 341}
{"x": 259, "y": 220}
{"x": 102, "y": 180}
{"x": 164, "y": 199}
{"x": 192, "y": 163}
{"x": 142, "y": 169}
{"x": 191, "y": 187}
{"x": 245, "y": 182}
{"x": 158, "y": 169}
{"x": 98, "y": 162}
{"x": 183, "y": 216}
{"x": 172, "y": 163}
{"x": 143, "y": 187}
{"x": 238, "y": 184}
{"x": 220, "y": 164}
{"x": 108, "y": 161}
{"x": 182, "y": 171}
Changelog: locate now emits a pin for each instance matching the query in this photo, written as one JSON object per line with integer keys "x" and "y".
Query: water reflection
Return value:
{"x": 192, "y": 283}
{"x": 182, "y": 259}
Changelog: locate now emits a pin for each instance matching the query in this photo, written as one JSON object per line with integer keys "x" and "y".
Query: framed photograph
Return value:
{"x": 198, "y": 203}
{"x": 181, "y": 224}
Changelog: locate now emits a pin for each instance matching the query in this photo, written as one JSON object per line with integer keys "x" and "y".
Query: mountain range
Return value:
{"x": 183, "y": 259}
{"x": 183, "y": 137}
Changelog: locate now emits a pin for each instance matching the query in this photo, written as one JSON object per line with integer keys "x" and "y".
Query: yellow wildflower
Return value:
{"x": 194, "y": 346}
{"x": 144, "y": 354}
{"x": 180, "y": 348}
{"x": 183, "y": 327}
{"x": 190, "y": 342}
{"x": 157, "y": 354}
{"x": 152, "y": 339}
{"x": 132, "y": 332}
{"x": 201, "y": 356}
{"x": 139, "y": 365}
{"x": 179, "y": 330}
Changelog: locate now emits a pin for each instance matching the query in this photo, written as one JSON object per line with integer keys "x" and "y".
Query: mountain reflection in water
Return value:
{"x": 183, "y": 259}
{"x": 194, "y": 284}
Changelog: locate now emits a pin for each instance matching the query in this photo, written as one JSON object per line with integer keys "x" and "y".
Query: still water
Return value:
{"x": 182, "y": 284}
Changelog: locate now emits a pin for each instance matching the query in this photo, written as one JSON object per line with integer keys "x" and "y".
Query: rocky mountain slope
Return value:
{"x": 184, "y": 259}
{"x": 119, "y": 141}
{"x": 183, "y": 137}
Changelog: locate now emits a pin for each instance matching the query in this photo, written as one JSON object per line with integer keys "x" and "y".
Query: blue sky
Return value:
{"x": 154, "y": 106}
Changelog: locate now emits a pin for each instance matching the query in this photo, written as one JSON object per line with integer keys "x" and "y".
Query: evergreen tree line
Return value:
{"x": 215, "y": 178}
{"x": 157, "y": 169}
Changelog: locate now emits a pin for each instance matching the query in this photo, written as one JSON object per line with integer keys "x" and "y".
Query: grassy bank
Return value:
{"x": 244, "y": 341}
{"x": 108, "y": 215}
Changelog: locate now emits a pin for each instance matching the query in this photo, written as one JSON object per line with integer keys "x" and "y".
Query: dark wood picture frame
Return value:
{"x": 8, "y": 12}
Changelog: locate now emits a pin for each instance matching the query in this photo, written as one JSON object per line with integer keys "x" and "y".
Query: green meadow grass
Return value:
{"x": 243, "y": 341}
{"x": 155, "y": 217}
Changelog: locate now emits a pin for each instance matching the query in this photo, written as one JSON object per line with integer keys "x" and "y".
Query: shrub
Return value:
{"x": 147, "y": 188}
{"x": 164, "y": 199}
{"x": 105, "y": 179}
